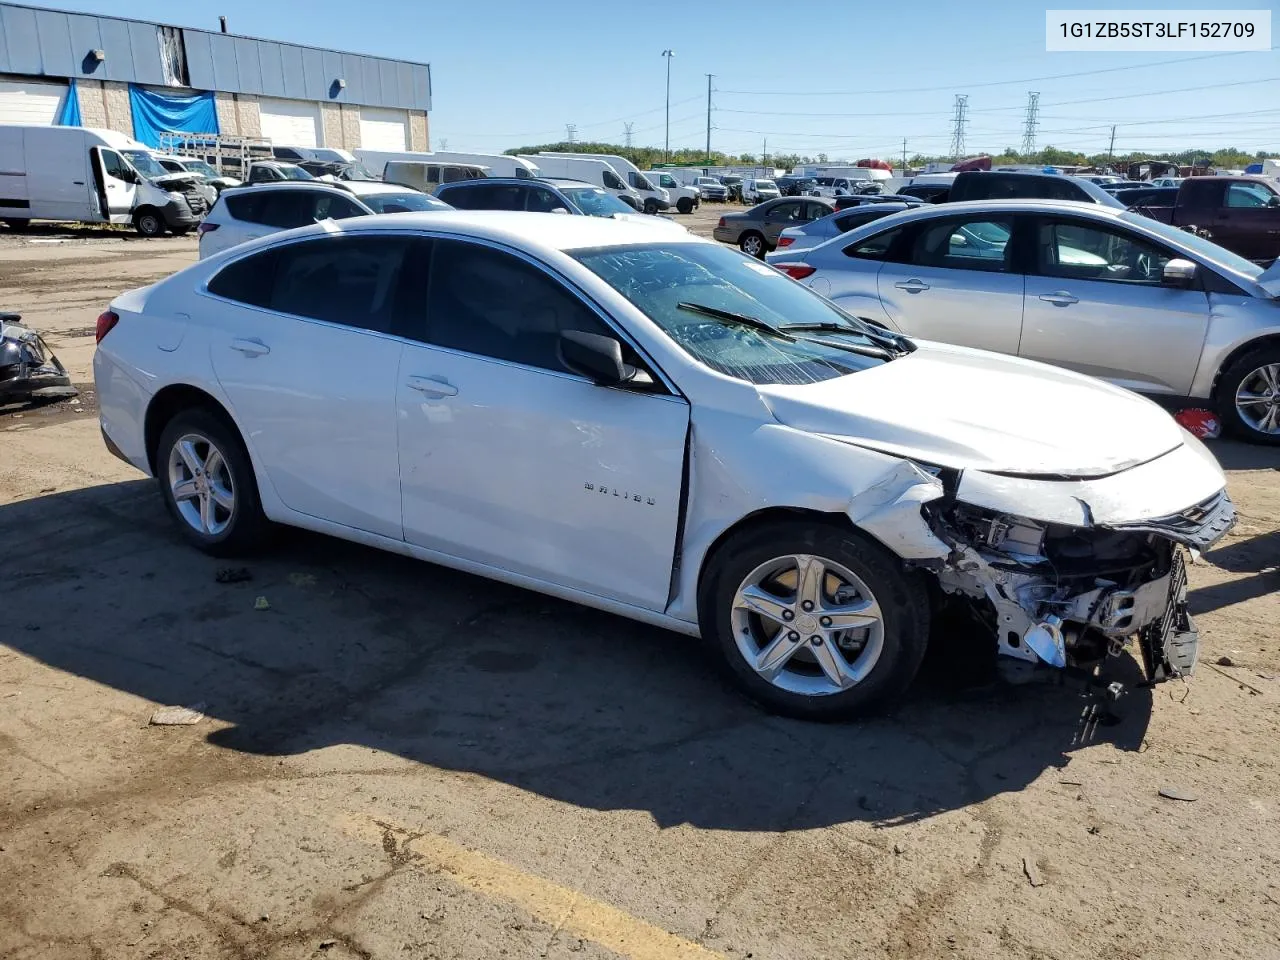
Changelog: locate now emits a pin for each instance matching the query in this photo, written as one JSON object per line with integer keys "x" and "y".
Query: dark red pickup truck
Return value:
{"x": 1239, "y": 213}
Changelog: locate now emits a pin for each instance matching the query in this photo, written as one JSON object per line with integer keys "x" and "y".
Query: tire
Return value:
{"x": 881, "y": 659}
{"x": 684, "y": 205}
{"x": 239, "y": 530}
{"x": 148, "y": 222}
{"x": 1256, "y": 374}
{"x": 16, "y": 224}
{"x": 753, "y": 244}
{"x": 651, "y": 206}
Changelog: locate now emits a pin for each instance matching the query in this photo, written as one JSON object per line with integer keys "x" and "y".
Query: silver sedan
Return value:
{"x": 1105, "y": 292}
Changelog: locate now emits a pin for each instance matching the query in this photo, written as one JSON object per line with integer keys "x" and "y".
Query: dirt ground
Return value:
{"x": 398, "y": 760}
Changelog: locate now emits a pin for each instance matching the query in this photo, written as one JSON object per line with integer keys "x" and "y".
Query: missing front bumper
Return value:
{"x": 1170, "y": 645}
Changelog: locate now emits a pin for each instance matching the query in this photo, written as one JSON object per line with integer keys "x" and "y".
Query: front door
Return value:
{"x": 954, "y": 280}
{"x": 1096, "y": 302}
{"x": 118, "y": 184}
{"x": 509, "y": 459}
{"x": 788, "y": 213}
{"x": 304, "y": 354}
{"x": 1248, "y": 223}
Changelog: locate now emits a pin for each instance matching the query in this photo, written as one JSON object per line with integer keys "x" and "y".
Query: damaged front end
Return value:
{"x": 1070, "y": 595}
{"x": 28, "y": 368}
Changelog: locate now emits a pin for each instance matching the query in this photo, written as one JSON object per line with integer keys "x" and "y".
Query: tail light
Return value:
{"x": 796, "y": 271}
{"x": 721, "y": 223}
{"x": 206, "y": 227}
{"x": 106, "y": 322}
{"x": 786, "y": 241}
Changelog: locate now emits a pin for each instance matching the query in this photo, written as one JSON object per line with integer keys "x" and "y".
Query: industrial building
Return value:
{"x": 139, "y": 78}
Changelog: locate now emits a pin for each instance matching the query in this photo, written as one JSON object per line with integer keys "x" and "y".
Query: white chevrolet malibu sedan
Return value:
{"x": 658, "y": 426}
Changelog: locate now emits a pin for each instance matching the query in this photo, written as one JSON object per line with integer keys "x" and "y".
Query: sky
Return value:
{"x": 848, "y": 80}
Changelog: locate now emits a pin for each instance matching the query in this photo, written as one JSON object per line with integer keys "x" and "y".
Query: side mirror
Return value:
{"x": 1274, "y": 202}
{"x": 595, "y": 356}
{"x": 1179, "y": 273}
{"x": 559, "y": 210}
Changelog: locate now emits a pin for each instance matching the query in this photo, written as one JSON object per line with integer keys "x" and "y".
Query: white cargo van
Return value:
{"x": 685, "y": 197}
{"x": 652, "y": 197}
{"x": 92, "y": 176}
{"x": 589, "y": 170}
{"x": 498, "y": 164}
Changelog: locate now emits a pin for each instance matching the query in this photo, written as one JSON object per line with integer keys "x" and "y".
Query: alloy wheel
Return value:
{"x": 1258, "y": 399}
{"x": 201, "y": 484}
{"x": 752, "y": 246}
{"x": 807, "y": 625}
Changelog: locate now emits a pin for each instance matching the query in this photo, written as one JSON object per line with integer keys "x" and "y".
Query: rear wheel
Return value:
{"x": 148, "y": 222}
{"x": 208, "y": 484}
{"x": 685, "y": 205}
{"x": 1249, "y": 396}
{"x": 752, "y": 244}
{"x": 814, "y": 621}
{"x": 14, "y": 223}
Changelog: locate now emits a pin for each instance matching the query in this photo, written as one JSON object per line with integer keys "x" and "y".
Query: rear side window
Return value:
{"x": 972, "y": 244}
{"x": 347, "y": 280}
{"x": 245, "y": 206}
{"x": 865, "y": 215}
{"x": 877, "y": 247}
{"x": 247, "y": 281}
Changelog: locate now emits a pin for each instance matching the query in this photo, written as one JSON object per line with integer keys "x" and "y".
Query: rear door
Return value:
{"x": 788, "y": 213}
{"x": 956, "y": 279}
{"x": 1096, "y": 302}
{"x": 304, "y": 353}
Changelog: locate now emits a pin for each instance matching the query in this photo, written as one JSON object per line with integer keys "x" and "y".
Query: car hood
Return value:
{"x": 969, "y": 409}
{"x": 171, "y": 180}
{"x": 1270, "y": 279}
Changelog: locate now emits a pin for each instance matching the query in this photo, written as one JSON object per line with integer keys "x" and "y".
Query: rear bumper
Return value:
{"x": 724, "y": 235}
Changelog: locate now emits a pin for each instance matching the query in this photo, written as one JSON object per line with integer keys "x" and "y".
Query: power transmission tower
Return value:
{"x": 1033, "y": 121}
{"x": 444, "y": 143}
{"x": 961, "y": 118}
{"x": 571, "y": 132}
{"x": 626, "y": 127}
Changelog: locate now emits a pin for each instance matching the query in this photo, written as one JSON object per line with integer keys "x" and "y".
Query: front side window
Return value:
{"x": 1080, "y": 251}
{"x": 329, "y": 206}
{"x": 612, "y": 182}
{"x": 693, "y": 290}
{"x": 115, "y": 166}
{"x": 523, "y": 174}
{"x": 595, "y": 202}
{"x": 491, "y": 303}
{"x": 1248, "y": 195}
{"x": 346, "y": 280}
{"x": 963, "y": 244}
{"x": 542, "y": 200}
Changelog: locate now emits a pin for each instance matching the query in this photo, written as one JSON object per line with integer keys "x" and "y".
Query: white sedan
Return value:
{"x": 658, "y": 426}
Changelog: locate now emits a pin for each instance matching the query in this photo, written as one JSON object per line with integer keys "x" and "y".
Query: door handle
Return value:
{"x": 78, "y": 183}
{"x": 1059, "y": 299}
{"x": 912, "y": 286}
{"x": 250, "y": 348}
{"x": 433, "y": 386}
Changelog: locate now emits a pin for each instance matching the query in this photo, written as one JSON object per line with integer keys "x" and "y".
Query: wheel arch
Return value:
{"x": 167, "y": 404}
{"x": 1243, "y": 349}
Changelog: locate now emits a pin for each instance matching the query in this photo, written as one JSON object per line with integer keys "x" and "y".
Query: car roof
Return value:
{"x": 364, "y": 188}
{"x": 546, "y": 231}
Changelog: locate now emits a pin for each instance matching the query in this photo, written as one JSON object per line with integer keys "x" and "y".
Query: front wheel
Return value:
{"x": 1249, "y": 397}
{"x": 753, "y": 245}
{"x": 208, "y": 484}
{"x": 651, "y": 206}
{"x": 685, "y": 205}
{"x": 148, "y": 223}
{"x": 813, "y": 620}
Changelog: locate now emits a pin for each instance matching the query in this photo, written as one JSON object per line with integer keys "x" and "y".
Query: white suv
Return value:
{"x": 246, "y": 213}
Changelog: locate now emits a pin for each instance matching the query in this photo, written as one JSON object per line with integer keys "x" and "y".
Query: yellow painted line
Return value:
{"x": 561, "y": 907}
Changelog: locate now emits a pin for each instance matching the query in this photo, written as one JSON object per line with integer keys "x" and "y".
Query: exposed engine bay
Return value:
{"x": 1069, "y": 596}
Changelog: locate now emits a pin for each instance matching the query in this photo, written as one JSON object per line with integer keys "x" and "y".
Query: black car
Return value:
{"x": 797, "y": 186}
{"x": 544, "y": 195}
{"x": 1012, "y": 185}
{"x": 926, "y": 192}
{"x": 1147, "y": 196}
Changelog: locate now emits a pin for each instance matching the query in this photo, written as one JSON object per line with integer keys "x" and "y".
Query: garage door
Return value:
{"x": 24, "y": 101}
{"x": 292, "y": 122}
{"x": 383, "y": 129}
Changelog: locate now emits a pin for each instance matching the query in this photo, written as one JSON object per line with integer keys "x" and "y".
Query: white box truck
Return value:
{"x": 79, "y": 174}
{"x": 589, "y": 170}
{"x": 498, "y": 164}
{"x": 652, "y": 197}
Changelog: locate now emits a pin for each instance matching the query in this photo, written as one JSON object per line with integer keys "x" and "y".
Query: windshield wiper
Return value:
{"x": 729, "y": 316}
{"x": 883, "y": 349}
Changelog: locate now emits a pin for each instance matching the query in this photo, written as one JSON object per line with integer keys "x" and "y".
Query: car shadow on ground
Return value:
{"x": 364, "y": 647}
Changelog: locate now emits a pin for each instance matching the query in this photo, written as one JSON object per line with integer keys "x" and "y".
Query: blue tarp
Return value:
{"x": 155, "y": 113}
{"x": 1253, "y": 168}
{"x": 70, "y": 115}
